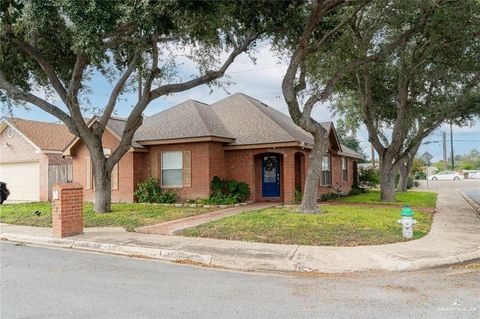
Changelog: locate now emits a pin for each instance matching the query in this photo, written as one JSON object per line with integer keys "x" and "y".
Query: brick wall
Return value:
{"x": 337, "y": 181}
{"x": 67, "y": 210}
{"x": 141, "y": 164}
{"x": 246, "y": 165}
{"x": 126, "y": 180}
{"x": 207, "y": 160}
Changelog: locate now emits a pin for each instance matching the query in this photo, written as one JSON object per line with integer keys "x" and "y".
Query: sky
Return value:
{"x": 261, "y": 80}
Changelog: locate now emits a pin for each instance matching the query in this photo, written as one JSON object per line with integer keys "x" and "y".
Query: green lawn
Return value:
{"x": 414, "y": 199}
{"x": 338, "y": 226}
{"x": 129, "y": 216}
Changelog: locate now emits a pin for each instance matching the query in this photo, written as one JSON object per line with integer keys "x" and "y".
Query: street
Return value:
{"x": 471, "y": 187}
{"x": 51, "y": 283}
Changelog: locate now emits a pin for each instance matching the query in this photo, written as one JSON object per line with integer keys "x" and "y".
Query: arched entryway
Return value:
{"x": 268, "y": 176}
{"x": 299, "y": 171}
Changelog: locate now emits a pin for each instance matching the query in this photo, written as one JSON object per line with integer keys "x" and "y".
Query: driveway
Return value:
{"x": 51, "y": 283}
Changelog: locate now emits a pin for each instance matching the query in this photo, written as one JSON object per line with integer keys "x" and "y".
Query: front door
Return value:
{"x": 271, "y": 176}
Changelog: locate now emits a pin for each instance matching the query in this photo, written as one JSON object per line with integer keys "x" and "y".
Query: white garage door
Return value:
{"x": 23, "y": 180}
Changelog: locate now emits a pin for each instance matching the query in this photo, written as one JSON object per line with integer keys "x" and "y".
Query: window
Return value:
{"x": 172, "y": 172}
{"x": 326, "y": 178}
{"x": 344, "y": 169}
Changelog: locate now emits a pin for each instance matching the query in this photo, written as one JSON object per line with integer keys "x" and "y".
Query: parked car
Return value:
{"x": 446, "y": 176}
{"x": 474, "y": 175}
{"x": 3, "y": 192}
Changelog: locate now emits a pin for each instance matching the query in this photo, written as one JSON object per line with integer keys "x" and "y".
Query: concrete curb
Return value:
{"x": 475, "y": 207}
{"x": 437, "y": 262}
{"x": 231, "y": 262}
{"x": 134, "y": 251}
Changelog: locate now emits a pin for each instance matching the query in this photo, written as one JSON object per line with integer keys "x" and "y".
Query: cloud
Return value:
{"x": 261, "y": 80}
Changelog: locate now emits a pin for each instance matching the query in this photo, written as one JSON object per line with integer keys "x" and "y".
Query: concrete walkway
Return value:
{"x": 454, "y": 237}
{"x": 171, "y": 227}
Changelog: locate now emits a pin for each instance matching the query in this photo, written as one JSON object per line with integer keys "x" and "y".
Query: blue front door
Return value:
{"x": 271, "y": 176}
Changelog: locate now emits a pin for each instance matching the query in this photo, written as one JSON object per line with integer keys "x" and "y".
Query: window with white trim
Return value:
{"x": 172, "y": 169}
{"x": 326, "y": 178}
{"x": 344, "y": 169}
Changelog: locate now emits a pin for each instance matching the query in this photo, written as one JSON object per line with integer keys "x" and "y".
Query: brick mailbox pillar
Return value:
{"x": 67, "y": 210}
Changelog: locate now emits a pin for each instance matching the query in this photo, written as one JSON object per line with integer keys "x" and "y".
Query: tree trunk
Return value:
{"x": 310, "y": 195}
{"x": 403, "y": 180}
{"x": 387, "y": 182}
{"x": 103, "y": 188}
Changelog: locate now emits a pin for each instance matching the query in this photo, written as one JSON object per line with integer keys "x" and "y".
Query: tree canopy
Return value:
{"x": 58, "y": 45}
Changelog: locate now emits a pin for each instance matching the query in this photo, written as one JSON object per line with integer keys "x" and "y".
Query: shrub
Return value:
{"x": 167, "y": 197}
{"x": 329, "y": 196}
{"x": 368, "y": 178}
{"x": 147, "y": 191}
{"x": 151, "y": 192}
{"x": 356, "y": 190}
{"x": 225, "y": 191}
{"x": 298, "y": 194}
{"x": 243, "y": 191}
{"x": 221, "y": 199}
{"x": 421, "y": 175}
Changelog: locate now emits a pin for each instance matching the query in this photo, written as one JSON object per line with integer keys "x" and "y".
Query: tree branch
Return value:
{"x": 46, "y": 67}
{"x": 209, "y": 76}
{"x": 117, "y": 89}
{"x": 46, "y": 106}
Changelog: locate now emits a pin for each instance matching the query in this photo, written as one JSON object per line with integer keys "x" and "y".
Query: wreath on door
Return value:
{"x": 270, "y": 163}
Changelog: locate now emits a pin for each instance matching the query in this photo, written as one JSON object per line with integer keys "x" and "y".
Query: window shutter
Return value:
{"x": 159, "y": 167}
{"x": 88, "y": 173}
{"x": 187, "y": 169}
{"x": 114, "y": 177}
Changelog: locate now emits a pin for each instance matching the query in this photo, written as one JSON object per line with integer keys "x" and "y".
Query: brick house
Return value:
{"x": 238, "y": 137}
{"x": 31, "y": 160}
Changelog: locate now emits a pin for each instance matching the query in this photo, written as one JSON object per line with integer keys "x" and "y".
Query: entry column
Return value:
{"x": 67, "y": 210}
{"x": 288, "y": 177}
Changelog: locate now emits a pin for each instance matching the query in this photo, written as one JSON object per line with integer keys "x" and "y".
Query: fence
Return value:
{"x": 58, "y": 174}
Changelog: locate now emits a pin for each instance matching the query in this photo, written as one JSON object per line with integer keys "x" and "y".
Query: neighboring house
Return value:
{"x": 31, "y": 158}
{"x": 238, "y": 138}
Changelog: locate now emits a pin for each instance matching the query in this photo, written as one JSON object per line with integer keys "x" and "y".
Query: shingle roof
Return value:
{"x": 47, "y": 136}
{"x": 117, "y": 124}
{"x": 239, "y": 118}
{"x": 185, "y": 120}
{"x": 349, "y": 152}
{"x": 253, "y": 122}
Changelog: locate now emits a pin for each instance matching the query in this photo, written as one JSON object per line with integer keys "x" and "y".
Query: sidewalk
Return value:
{"x": 454, "y": 237}
{"x": 171, "y": 227}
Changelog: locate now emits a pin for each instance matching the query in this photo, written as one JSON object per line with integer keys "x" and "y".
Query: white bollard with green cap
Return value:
{"x": 407, "y": 221}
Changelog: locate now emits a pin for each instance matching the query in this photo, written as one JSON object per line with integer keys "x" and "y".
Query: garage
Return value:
{"x": 23, "y": 180}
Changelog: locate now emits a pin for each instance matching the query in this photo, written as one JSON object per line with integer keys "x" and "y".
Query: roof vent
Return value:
{"x": 10, "y": 132}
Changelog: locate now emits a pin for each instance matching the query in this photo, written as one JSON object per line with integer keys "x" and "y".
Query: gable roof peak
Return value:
{"x": 46, "y": 136}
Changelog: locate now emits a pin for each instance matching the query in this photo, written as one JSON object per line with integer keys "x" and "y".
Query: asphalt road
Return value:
{"x": 474, "y": 194}
{"x": 50, "y": 283}
{"x": 471, "y": 187}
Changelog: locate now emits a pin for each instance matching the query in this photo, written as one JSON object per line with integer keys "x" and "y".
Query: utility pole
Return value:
{"x": 445, "y": 159}
{"x": 451, "y": 147}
